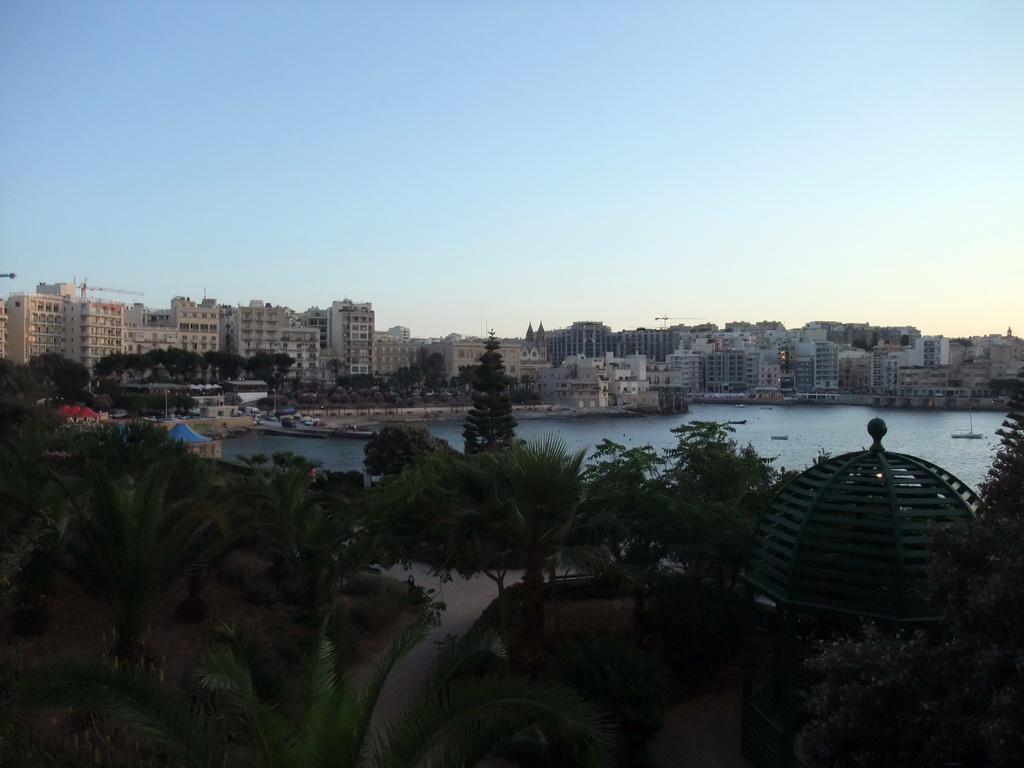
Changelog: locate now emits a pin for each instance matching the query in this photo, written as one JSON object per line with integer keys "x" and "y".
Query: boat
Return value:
{"x": 969, "y": 433}
{"x": 738, "y": 421}
{"x": 780, "y": 437}
{"x": 353, "y": 432}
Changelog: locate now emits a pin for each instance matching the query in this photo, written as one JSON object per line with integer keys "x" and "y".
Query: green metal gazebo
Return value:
{"x": 849, "y": 537}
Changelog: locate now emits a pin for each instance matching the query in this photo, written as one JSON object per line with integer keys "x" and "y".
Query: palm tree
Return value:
{"x": 301, "y": 524}
{"x": 456, "y": 718}
{"x": 128, "y": 543}
{"x": 526, "y": 502}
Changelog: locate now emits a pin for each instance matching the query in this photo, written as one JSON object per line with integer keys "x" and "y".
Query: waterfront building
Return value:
{"x": 459, "y": 353}
{"x": 391, "y": 354}
{"x": 586, "y": 338}
{"x": 188, "y": 325}
{"x": 816, "y": 366}
{"x": 350, "y": 336}
{"x": 929, "y": 351}
{"x": 885, "y": 370}
{"x": 732, "y": 370}
{"x": 682, "y": 373}
{"x": 583, "y": 382}
{"x": 60, "y": 318}
{"x": 261, "y": 327}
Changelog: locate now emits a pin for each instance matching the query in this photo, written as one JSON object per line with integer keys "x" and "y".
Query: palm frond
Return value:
{"x": 224, "y": 672}
{"x": 476, "y": 717}
{"x": 155, "y": 711}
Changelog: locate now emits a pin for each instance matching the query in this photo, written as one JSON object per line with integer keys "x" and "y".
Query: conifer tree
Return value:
{"x": 489, "y": 423}
{"x": 1003, "y": 488}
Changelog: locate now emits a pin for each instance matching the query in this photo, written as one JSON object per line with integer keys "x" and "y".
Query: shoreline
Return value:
{"x": 365, "y": 418}
{"x": 371, "y": 417}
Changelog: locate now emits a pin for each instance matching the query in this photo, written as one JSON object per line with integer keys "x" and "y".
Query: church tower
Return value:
{"x": 540, "y": 338}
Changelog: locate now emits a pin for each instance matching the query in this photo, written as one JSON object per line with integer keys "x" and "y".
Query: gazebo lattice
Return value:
{"x": 850, "y": 536}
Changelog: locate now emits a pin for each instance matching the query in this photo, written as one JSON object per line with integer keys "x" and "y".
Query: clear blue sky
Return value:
{"x": 486, "y": 164}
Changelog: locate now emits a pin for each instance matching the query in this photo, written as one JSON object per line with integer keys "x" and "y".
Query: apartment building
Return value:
{"x": 586, "y": 338}
{"x": 59, "y": 318}
{"x": 732, "y": 370}
{"x": 314, "y": 317}
{"x": 929, "y": 351}
{"x": 656, "y": 344}
{"x": 816, "y": 366}
{"x": 261, "y": 327}
{"x": 350, "y": 332}
{"x": 199, "y": 324}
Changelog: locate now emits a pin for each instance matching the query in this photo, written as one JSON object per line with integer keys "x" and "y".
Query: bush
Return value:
{"x": 628, "y": 683}
{"x": 698, "y": 627}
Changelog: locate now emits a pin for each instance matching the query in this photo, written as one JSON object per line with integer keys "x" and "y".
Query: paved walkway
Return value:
{"x": 703, "y": 732}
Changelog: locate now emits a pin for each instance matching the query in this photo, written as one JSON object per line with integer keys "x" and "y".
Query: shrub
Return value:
{"x": 630, "y": 684}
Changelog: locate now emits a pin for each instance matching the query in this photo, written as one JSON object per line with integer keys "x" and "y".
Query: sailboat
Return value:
{"x": 968, "y": 434}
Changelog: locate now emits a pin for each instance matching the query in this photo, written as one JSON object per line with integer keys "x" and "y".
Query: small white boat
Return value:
{"x": 969, "y": 433}
{"x": 780, "y": 437}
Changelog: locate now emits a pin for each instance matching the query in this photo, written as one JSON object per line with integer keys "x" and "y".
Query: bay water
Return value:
{"x": 808, "y": 429}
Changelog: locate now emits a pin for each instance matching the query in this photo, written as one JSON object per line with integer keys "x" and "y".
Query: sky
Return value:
{"x": 468, "y": 166}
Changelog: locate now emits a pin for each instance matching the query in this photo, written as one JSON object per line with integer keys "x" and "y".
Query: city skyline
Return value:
{"x": 466, "y": 168}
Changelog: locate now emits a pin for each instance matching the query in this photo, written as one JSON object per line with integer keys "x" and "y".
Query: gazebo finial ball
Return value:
{"x": 877, "y": 429}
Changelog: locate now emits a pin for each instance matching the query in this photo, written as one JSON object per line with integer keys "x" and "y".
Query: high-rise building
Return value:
{"x": 350, "y": 331}
{"x": 57, "y": 319}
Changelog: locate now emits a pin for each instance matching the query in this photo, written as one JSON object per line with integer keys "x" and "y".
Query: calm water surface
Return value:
{"x": 810, "y": 429}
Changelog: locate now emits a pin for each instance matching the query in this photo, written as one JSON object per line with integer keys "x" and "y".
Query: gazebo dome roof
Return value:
{"x": 853, "y": 534}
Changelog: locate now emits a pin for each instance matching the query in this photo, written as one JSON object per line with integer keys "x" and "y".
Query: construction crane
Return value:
{"x": 86, "y": 287}
{"x": 8, "y": 274}
{"x": 665, "y": 318}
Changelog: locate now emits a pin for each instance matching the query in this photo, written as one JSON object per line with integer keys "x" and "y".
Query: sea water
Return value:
{"x": 809, "y": 431}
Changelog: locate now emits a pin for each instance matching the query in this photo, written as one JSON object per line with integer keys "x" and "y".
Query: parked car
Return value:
{"x": 286, "y": 421}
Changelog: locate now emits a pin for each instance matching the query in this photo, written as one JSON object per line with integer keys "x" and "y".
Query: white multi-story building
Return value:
{"x": 582, "y": 382}
{"x": 350, "y": 331}
{"x": 199, "y": 324}
{"x": 817, "y": 366}
{"x": 58, "y": 318}
{"x": 261, "y": 327}
{"x": 929, "y": 351}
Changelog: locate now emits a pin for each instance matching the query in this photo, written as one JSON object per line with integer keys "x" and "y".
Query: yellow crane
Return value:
{"x": 665, "y": 318}
{"x": 86, "y": 287}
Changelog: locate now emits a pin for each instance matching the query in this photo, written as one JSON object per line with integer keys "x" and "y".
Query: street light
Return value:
{"x": 165, "y": 403}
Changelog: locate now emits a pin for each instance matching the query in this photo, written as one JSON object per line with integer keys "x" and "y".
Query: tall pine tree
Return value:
{"x": 1003, "y": 489}
{"x": 490, "y": 424}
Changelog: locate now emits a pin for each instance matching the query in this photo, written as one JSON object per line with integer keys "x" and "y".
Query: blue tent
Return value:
{"x": 185, "y": 433}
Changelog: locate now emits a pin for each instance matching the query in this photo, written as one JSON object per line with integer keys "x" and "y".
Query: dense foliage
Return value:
{"x": 394, "y": 446}
{"x": 952, "y": 695}
{"x": 1003, "y": 487}
{"x": 628, "y": 683}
